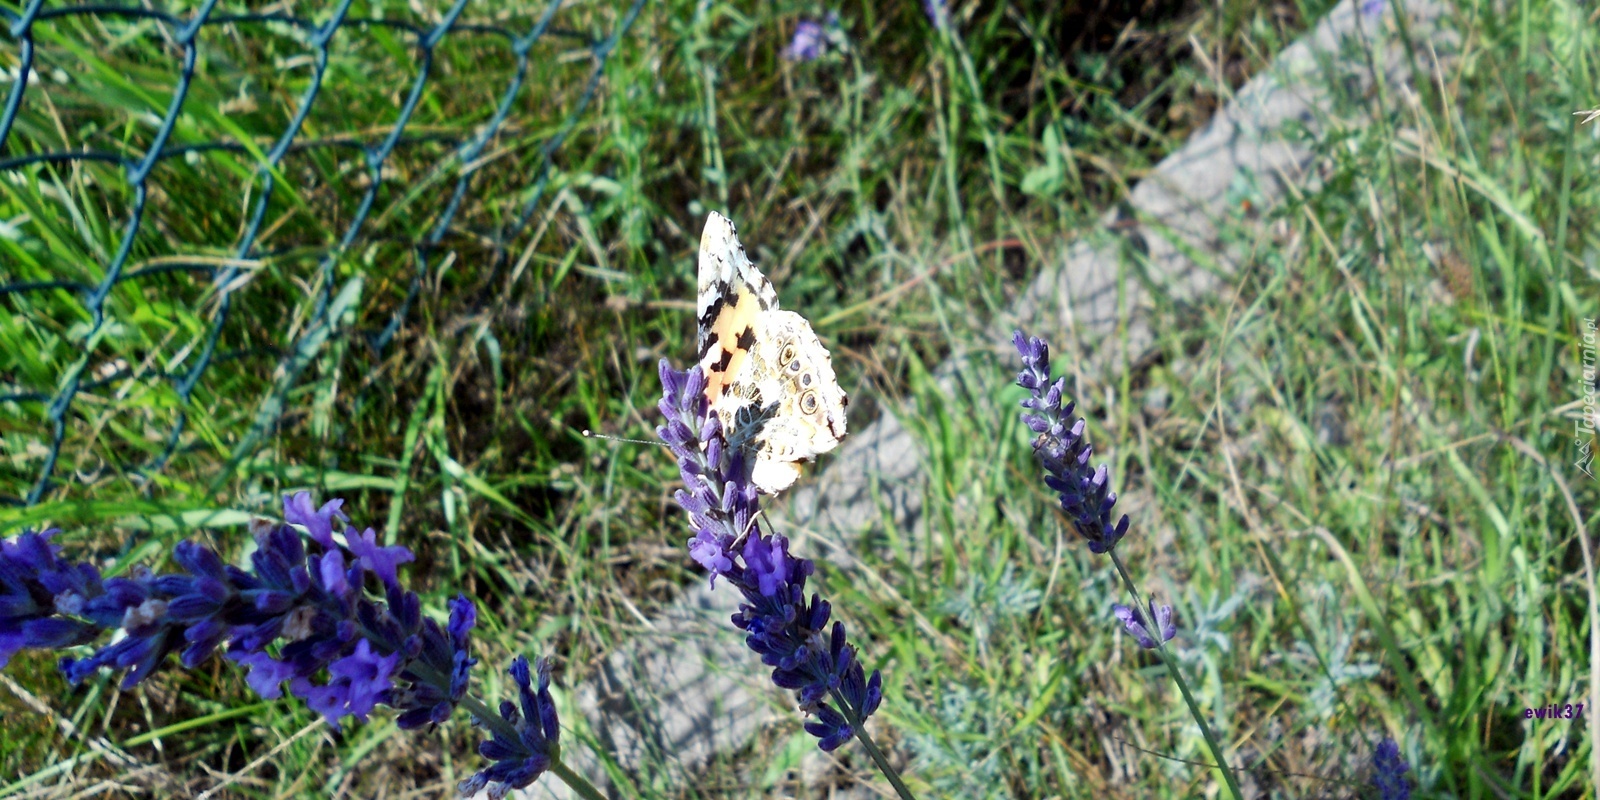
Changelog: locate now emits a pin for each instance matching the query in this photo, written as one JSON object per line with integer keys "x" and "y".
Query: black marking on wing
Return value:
{"x": 722, "y": 363}
{"x": 713, "y": 310}
{"x": 747, "y": 339}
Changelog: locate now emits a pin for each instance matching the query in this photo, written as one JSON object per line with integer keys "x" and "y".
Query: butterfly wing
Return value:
{"x": 732, "y": 296}
{"x": 768, "y": 376}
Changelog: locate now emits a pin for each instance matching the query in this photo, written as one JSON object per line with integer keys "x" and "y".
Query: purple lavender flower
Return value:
{"x": 809, "y": 42}
{"x": 520, "y": 761}
{"x": 789, "y": 631}
{"x": 297, "y": 510}
{"x": 1085, "y": 494}
{"x": 382, "y": 561}
{"x": 1388, "y": 769}
{"x": 139, "y": 605}
{"x": 337, "y": 648}
{"x": 267, "y": 674}
{"x": 424, "y": 700}
{"x": 36, "y": 588}
{"x": 812, "y": 38}
{"x": 937, "y": 13}
{"x": 355, "y": 684}
{"x": 1133, "y": 620}
{"x": 708, "y": 501}
{"x": 1372, "y": 8}
{"x": 299, "y": 618}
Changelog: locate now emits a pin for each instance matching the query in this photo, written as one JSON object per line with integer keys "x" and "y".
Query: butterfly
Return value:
{"x": 768, "y": 377}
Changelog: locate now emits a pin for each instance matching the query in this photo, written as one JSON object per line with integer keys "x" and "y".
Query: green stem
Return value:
{"x": 489, "y": 717}
{"x": 1147, "y": 614}
{"x": 857, "y": 724}
{"x": 575, "y": 781}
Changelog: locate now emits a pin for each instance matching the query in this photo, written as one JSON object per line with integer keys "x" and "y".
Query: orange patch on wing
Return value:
{"x": 732, "y": 335}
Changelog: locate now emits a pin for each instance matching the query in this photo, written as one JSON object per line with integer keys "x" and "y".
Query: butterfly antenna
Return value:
{"x": 738, "y": 544}
{"x": 588, "y": 434}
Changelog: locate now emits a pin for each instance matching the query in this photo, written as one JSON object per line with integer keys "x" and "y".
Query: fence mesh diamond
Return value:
{"x": 161, "y": 166}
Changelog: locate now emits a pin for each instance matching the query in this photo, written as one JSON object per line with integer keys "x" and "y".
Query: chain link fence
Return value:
{"x": 159, "y": 166}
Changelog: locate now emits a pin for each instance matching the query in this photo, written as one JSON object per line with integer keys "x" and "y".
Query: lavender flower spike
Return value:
{"x": 789, "y": 631}
{"x": 520, "y": 761}
{"x": 294, "y": 617}
{"x": 1388, "y": 771}
{"x": 302, "y": 616}
{"x": 1085, "y": 493}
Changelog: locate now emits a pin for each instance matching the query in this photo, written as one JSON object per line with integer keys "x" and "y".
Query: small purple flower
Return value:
{"x": 520, "y": 761}
{"x": 330, "y": 568}
{"x": 297, "y": 510}
{"x": 831, "y": 728}
{"x": 809, "y": 42}
{"x": 789, "y": 631}
{"x": 1372, "y": 8}
{"x": 937, "y": 13}
{"x": 768, "y": 563}
{"x": 267, "y": 674}
{"x": 1388, "y": 769}
{"x": 381, "y": 561}
{"x": 1133, "y": 621}
{"x": 711, "y": 552}
{"x": 1085, "y": 493}
{"x": 319, "y": 522}
{"x": 354, "y": 685}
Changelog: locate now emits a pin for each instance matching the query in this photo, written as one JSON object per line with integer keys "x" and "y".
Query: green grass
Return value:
{"x": 1363, "y": 537}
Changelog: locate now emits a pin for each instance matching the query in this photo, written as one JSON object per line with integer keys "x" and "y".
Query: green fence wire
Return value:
{"x": 51, "y": 402}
